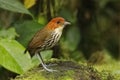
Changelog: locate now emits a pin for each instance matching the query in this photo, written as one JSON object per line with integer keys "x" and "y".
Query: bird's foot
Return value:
{"x": 49, "y": 65}
{"x": 44, "y": 65}
{"x": 49, "y": 70}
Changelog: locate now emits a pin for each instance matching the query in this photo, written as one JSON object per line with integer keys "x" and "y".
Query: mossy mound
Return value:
{"x": 67, "y": 70}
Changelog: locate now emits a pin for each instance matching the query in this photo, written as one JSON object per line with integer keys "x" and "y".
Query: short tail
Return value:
{"x": 30, "y": 52}
{"x": 25, "y": 51}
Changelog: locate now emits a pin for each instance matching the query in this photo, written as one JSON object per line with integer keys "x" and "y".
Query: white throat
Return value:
{"x": 59, "y": 30}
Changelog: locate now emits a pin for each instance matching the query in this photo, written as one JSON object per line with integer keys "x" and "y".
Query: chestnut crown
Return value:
{"x": 56, "y": 23}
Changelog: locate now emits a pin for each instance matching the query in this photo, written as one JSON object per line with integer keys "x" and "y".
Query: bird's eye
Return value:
{"x": 58, "y": 22}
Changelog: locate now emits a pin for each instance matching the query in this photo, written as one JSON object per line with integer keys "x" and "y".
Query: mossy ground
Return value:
{"x": 109, "y": 70}
{"x": 67, "y": 70}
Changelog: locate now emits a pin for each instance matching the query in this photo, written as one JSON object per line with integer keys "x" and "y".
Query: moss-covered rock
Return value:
{"x": 67, "y": 70}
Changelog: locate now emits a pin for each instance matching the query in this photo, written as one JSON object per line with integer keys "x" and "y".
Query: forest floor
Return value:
{"x": 69, "y": 70}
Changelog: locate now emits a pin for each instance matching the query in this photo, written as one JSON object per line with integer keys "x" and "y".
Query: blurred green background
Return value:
{"x": 93, "y": 36}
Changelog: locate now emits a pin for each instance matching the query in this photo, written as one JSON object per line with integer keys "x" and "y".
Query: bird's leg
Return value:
{"x": 43, "y": 64}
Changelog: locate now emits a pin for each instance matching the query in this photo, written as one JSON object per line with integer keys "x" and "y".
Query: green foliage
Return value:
{"x": 68, "y": 15}
{"x": 42, "y": 20}
{"x": 79, "y": 58}
{"x": 26, "y": 30}
{"x": 97, "y": 21}
{"x": 107, "y": 69}
{"x": 71, "y": 40}
{"x": 12, "y": 57}
{"x": 47, "y": 54}
{"x": 8, "y": 34}
{"x": 13, "y": 5}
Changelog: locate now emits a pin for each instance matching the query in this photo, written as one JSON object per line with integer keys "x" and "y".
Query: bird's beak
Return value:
{"x": 67, "y": 23}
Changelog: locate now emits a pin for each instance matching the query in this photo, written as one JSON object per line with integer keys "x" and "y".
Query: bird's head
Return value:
{"x": 57, "y": 23}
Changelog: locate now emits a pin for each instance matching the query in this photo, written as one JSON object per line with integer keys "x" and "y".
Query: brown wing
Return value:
{"x": 38, "y": 40}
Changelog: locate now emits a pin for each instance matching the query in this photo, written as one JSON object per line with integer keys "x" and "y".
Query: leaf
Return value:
{"x": 46, "y": 54}
{"x": 42, "y": 19}
{"x": 12, "y": 57}
{"x": 26, "y": 30}
{"x": 13, "y": 5}
{"x": 9, "y": 33}
{"x": 29, "y": 3}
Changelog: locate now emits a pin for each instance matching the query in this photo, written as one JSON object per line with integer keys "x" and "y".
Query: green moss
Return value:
{"x": 109, "y": 70}
{"x": 67, "y": 70}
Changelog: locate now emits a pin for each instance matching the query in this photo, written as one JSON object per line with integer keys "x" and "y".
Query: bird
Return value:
{"x": 46, "y": 38}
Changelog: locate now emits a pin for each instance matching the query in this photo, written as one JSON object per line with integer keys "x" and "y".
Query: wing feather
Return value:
{"x": 37, "y": 40}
